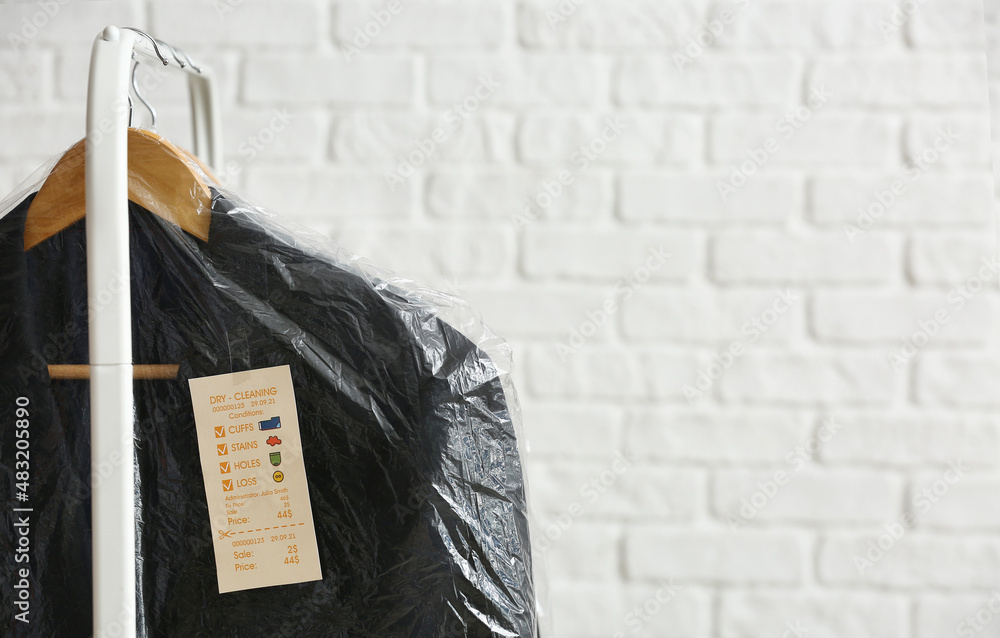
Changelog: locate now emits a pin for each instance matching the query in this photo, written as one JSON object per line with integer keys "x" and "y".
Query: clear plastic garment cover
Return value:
{"x": 408, "y": 420}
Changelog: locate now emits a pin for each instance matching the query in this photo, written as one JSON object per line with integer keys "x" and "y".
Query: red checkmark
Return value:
{"x": 220, "y": 431}
{"x": 227, "y": 485}
{"x": 224, "y": 468}
{"x": 222, "y": 449}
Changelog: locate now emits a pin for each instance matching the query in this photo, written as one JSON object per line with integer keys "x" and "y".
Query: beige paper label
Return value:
{"x": 255, "y": 480}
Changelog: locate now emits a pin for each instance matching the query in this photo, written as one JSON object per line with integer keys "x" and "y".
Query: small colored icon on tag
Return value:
{"x": 271, "y": 424}
{"x": 275, "y": 459}
{"x": 225, "y": 468}
{"x": 273, "y": 440}
{"x": 278, "y": 476}
{"x": 227, "y": 485}
{"x": 220, "y": 431}
{"x": 221, "y": 447}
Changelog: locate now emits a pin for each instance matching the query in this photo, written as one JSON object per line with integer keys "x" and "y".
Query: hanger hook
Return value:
{"x": 173, "y": 52}
{"x": 138, "y": 94}
{"x": 190, "y": 61}
{"x": 156, "y": 49}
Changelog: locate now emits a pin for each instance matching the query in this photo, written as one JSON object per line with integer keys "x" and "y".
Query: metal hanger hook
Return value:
{"x": 156, "y": 49}
{"x": 173, "y": 52}
{"x": 189, "y": 60}
{"x": 145, "y": 102}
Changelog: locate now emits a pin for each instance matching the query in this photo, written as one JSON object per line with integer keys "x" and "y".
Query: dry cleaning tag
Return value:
{"x": 255, "y": 480}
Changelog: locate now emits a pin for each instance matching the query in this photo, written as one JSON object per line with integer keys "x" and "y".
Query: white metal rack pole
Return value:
{"x": 110, "y": 312}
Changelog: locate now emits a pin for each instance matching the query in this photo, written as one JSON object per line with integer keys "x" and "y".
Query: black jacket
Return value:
{"x": 414, "y": 474}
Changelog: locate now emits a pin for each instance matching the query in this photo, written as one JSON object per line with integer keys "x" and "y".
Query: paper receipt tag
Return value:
{"x": 255, "y": 480}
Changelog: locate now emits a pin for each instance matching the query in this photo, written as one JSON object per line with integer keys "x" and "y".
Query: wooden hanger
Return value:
{"x": 161, "y": 179}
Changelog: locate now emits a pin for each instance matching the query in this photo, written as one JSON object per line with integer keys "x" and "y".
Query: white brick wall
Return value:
{"x": 658, "y": 528}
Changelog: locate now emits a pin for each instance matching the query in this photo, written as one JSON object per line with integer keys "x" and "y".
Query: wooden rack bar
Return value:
{"x": 142, "y": 371}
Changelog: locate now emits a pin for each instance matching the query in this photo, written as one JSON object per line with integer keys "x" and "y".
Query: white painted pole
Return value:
{"x": 110, "y": 314}
{"x": 110, "y": 320}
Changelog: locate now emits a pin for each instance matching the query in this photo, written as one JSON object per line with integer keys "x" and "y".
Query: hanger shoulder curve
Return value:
{"x": 160, "y": 179}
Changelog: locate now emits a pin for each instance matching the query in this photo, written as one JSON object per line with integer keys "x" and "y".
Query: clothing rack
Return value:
{"x": 110, "y": 317}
